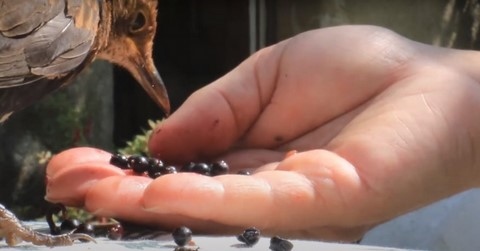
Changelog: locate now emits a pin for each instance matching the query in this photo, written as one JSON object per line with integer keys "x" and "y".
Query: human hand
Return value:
{"x": 382, "y": 126}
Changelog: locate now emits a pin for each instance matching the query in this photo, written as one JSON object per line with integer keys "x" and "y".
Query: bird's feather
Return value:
{"x": 41, "y": 46}
{"x": 21, "y": 17}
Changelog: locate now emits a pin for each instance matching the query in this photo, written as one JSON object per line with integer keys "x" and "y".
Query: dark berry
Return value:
{"x": 116, "y": 232}
{"x": 187, "y": 168}
{"x": 250, "y": 236}
{"x": 69, "y": 224}
{"x": 182, "y": 236}
{"x": 154, "y": 175}
{"x": 279, "y": 244}
{"x": 219, "y": 168}
{"x": 155, "y": 167}
{"x": 201, "y": 168}
{"x": 119, "y": 160}
{"x": 139, "y": 164}
{"x": 85, "y": 228}
{"x": 243, "y": 172}
{"x": 169, "y": 170}
{"x": 161, "y": 171}
{"x": 154, "y": 164}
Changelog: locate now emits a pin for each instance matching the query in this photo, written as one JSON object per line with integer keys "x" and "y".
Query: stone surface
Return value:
{"x": 448, "y": 225}
{"x": 205, "y": 243}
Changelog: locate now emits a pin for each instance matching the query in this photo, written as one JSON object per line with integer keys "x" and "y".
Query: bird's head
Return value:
{"x": 132, "y": 25}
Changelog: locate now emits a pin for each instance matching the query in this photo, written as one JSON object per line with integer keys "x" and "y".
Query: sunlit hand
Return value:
{"x": 382, "y": 125}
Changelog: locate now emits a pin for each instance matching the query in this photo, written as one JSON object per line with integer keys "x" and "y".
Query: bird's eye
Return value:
{"x": 138, "y": 22}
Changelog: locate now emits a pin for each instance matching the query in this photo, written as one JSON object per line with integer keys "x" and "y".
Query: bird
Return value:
{"x": 45, "y": 44}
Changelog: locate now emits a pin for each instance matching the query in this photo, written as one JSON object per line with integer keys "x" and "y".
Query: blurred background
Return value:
{"x": 196, "y": 43}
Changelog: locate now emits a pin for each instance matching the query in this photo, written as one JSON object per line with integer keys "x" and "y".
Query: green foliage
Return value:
{"x": 73, "y": 213}
{"x": 79, "y": 214}
{"x": 58, "y": 121}
{"x": 139, "y": 144}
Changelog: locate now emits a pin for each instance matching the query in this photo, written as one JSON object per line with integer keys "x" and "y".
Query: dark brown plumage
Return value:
{"x": 46, "y": 43}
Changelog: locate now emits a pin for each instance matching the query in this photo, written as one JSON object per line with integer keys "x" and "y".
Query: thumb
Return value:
{"x": 213, "y": 118}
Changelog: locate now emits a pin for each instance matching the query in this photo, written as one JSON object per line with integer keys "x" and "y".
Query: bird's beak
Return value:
{"x": 146, "y": 74}
{"x": 138, "y": 61}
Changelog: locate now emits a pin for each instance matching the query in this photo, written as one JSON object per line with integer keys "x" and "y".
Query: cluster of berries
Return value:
{"x": 112, "y": 231}
{"x": 250, "y": 236}
{"x": 155, "y": 168}
{"x": 182, "y": 236}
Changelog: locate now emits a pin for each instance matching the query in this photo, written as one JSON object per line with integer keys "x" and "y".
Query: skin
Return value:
{"x": 382, "y": 125}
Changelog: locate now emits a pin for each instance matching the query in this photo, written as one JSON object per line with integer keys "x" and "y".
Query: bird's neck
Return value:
{"x": 105, "y": 24}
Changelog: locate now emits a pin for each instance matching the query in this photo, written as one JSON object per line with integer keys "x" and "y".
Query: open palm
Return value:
{"x": 382, "y": 125}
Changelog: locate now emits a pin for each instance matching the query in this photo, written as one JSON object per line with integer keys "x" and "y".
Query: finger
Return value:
{"x": 115, "y": 196}
{"x": 216, "y": 116}
{"x": 121, "y": 197}
{"x": 324, "y": 74}
{"x": 70, "y": 185}
{"x": 76, "y": 155}
{"x": 284, "y": 91}
{"x": 71, "y": 173}
{"x": 278, "y": 199}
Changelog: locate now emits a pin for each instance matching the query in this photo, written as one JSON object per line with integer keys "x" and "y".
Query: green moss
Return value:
{"x": 58, "y": 121}
{"x": 139, "y": 143}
